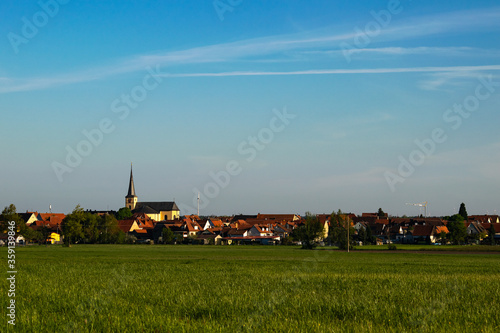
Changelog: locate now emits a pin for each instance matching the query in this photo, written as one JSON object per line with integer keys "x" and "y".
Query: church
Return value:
{"x": 158, "y": 211}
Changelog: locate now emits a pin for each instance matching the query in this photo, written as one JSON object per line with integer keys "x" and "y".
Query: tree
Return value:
{"x": 123, "y": 213}
{"x": 109, "y": 231}
{"x": 32, "y": 235}
{"x": 491, "y": 234}
{"x": 9, "y": 213}
{"x": 362, "y": 235}
{"x": 90, "y": 228}
{"x": 457, "y": 229}
{"x": 463, "y": 212}
{"x": 442, "y": 237}
{"x": 309, "y": 233}
{"x": 179, "y": 238}
{"x": 168, "y": 235}
{"x": 381, "y": 213}
{"x": 369, "y": 236}
{"x": 338, "y": 230}
{"x": 72, "y": 226}
{"x": 44, "y": 233}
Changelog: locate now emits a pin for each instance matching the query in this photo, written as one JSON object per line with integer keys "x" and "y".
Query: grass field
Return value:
{"x": 113, "y": 288}
{"x": 443, "y": 248}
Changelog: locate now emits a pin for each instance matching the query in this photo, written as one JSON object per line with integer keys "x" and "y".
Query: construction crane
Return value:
{"x": 422, "y": 204}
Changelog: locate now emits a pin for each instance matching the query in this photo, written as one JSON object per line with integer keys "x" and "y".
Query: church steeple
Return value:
{"x": 131, "y": 198}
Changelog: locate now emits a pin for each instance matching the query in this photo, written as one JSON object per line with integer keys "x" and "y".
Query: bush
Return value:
{"x": 392, "y": 247}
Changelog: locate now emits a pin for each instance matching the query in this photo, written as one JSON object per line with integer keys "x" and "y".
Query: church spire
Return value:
{"x": 131, "y": 198}
{"x": 131, "y": 188}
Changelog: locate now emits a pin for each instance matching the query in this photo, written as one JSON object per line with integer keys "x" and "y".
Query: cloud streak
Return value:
{"x": 268, "y": 48}
{"x": 346, "y": 71}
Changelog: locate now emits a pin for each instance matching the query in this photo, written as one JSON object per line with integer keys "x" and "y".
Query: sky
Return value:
{"x": 258, "y": 106}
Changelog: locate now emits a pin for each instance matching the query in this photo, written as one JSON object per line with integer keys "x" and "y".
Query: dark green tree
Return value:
{"x": 463, "y": 212}
{"x": 457, "y": 229}
{"x": 109, "y": 230}
{"x": 381, "y": 213}
{"x": 168, "y": 236}
{"x": 369, "y": 236}
{"x": 362, "y": 235}
{"x": 9, "y": 213}
{"x": 123, "y": 213}
{"x": 178, "y": 238}
{"x": 309, "y": 233}
{"x": 44, "y": 233}
{"x": 491, "y": 234}
{"x": 28, "y": 233}
{"x": 72, "y": 226}
{"x": 338, "y": 230}
{"x": 442, "y": 237}
{"x": 91, "y": 228}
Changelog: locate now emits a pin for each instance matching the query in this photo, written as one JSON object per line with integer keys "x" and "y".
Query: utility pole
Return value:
{"x": 198, "y": 204}
{"x": 348, "y": 225}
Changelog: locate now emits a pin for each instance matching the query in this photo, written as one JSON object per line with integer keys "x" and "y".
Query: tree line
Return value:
{"x": 343, "y": 235}
{"x": 77, "y": 227}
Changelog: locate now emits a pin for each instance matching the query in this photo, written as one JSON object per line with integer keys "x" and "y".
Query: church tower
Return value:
{"x": 131, "y": 198}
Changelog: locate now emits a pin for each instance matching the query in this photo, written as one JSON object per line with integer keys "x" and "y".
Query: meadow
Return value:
{"x": 144, "y": 288}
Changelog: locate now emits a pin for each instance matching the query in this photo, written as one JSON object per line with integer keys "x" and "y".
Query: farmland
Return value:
{"x": 101, "y": 288}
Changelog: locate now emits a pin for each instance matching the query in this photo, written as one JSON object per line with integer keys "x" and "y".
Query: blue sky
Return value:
{"x": 361, "y": 83}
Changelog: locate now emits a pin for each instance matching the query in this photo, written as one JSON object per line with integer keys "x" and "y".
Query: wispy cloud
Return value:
{"x": 453, "y": 164}
{"x": 444, "y": 69}
{"x": 445, "y": 23}
{"x": 402, "y": 51}
{"x": 449, "y": 80}
{"x": 268, "y": 48}
{"x": 361, "y": 178}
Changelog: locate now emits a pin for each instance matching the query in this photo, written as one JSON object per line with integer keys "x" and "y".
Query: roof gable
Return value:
{"x": 423, "y": 230}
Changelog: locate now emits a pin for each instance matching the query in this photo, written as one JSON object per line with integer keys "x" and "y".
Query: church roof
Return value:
{"x": 155, "y": 207}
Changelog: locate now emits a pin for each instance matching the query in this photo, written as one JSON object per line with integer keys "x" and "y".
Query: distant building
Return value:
{"x": 158, "y": 211}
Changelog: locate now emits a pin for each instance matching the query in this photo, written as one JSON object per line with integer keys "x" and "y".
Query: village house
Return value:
{"x": 426, "y": 233}
{"x": 476, "y": 228}
{"x": 484, "y": 218}
{"x": 50, "y": 223}
{"x": 212, "y": 223}
{"x": 260, "y": 230}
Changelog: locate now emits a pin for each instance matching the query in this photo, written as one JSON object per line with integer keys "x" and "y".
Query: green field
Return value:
{"x": 112, "y": 288}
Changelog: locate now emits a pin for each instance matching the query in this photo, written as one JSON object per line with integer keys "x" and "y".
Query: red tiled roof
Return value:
{"x": 125, "y": 225}
{"x": 278, "y": 217}
{"x": 441, "y": 228}
{"x": 483, "y": 218}
{"x": 423, "y": 230}
{"x": 52, "y": 218}
{"x": 251, "y": 237}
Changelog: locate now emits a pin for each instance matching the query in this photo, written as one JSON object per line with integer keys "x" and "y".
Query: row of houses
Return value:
{"x": 268, "y": 228}
{"x": 276, "y": 228}
{"x": 50, "y": 222}
{"x": 241, "y": 229}
{"x": 415, "y": 230}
